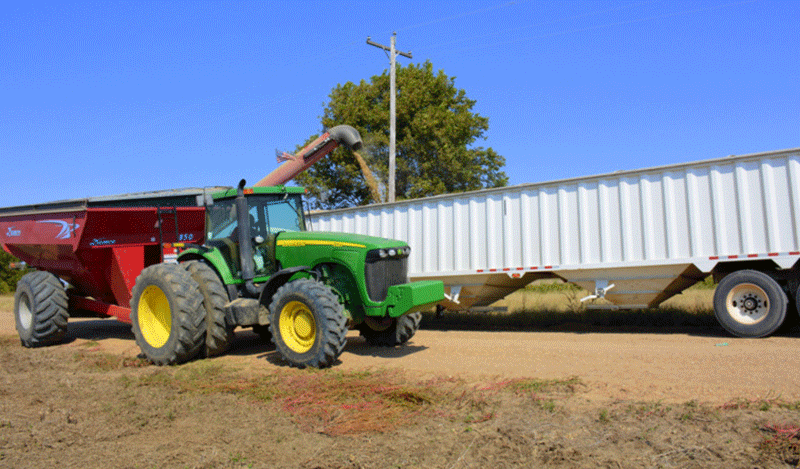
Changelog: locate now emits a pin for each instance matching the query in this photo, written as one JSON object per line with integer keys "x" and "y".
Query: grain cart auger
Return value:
{"x": 260, "y": 268}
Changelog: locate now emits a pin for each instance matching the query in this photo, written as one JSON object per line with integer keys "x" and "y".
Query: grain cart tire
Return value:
{"x": 219, "y": 334}
{"x": 396, "y": 332}
{"x": 263, "y": 332}
{"x": 40, "y": 309}
{"x": 307, "y": 323}
{"x": 167, "y": 314}
{"x": 749, "y": 304}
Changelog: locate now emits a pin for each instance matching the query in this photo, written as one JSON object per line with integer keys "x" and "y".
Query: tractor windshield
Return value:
{"x": 269, "y": 215}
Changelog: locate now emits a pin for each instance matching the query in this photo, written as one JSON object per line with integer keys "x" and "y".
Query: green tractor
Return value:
{"x": 259, "y": 267}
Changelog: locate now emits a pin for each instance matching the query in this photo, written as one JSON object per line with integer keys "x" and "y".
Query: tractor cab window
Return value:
{"x": 285, "y": 214}
{"x": 221, "y": 219}
{"x": 269, "y": 215}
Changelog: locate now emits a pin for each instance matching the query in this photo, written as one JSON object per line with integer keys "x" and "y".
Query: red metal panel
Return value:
{"x": 126, "y": 263}
{"x": 42, "y": 229}
{"x": 100, "y": 251}
{"x": 100, "y": 308}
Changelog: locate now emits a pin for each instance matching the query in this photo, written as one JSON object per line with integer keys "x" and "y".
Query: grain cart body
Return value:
{"x": 99, "y": 245}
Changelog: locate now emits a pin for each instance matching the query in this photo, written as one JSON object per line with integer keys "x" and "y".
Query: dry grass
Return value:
{"x": 7, "y": 302}
{"x": 563, "y": 297}
{"x": 334, "y": 402}
{"x": 556, "y": 306}
{"x": 68, "y": 402}
{"x": 782, "y": 441}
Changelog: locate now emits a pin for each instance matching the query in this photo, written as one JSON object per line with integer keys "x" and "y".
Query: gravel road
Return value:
{"x": 670, "y": 366}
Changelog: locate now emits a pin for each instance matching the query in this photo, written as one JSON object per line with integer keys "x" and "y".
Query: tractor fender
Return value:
{"x": 276, "y": 280}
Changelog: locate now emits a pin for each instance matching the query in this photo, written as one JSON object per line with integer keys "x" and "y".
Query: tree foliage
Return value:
{"x": 435, "y": 140}
{"x": 9, "y": 276}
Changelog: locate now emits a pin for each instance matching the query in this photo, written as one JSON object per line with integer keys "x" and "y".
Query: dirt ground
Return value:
{"x": 703, "y": 365}
{"x": 664, "y": 398}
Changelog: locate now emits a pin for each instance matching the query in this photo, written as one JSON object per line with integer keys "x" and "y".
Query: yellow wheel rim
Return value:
{"x": 298, "y": 327}
{"x": 155, "y": 317}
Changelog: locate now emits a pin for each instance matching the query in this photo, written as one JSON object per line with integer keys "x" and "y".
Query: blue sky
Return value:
{"x": 108, "y": 97}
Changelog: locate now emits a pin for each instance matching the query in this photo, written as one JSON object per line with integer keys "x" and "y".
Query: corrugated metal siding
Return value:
{"x": 735, "y": 206}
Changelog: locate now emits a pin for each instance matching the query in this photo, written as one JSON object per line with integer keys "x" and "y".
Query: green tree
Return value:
{"x": 9, "y": 276}
{"x": 436, "y": 135}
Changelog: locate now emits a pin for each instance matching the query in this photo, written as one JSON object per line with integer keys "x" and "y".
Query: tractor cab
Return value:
{"x": 270, "y": 211}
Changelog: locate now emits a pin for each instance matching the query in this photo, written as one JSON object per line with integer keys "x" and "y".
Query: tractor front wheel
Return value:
{"x": 167, "y": 314}
{"x": 390, "y": 332}
{"x": 307, "y": 323}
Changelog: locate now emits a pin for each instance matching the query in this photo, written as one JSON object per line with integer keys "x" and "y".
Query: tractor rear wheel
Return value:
{"x": 391, "y": 333}
{"x": 219, "y": 334}
{"x": 40, "y": 309}
{"x": 167, "y": 314}
{"x": 307, "y": 323}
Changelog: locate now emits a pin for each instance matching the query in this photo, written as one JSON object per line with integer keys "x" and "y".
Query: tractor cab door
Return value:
{"x": 222, "y": 228}
{"x": 270, "y": 214}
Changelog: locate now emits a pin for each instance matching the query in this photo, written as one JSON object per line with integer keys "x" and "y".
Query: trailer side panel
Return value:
{"x": 671, "y": 224}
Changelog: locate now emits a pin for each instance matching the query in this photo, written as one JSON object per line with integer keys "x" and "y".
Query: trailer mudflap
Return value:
{"x": 412, "y": 297}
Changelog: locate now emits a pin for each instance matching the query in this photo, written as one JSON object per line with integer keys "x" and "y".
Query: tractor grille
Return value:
{"x": 383, "y": 273}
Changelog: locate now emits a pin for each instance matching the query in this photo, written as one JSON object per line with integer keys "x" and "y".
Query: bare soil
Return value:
{"x": 672, "y": 396}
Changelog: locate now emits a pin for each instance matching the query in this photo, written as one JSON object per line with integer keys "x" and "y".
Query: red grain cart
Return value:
{"x": 89, "y": 252}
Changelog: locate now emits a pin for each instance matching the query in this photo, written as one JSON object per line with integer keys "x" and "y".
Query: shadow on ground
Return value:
{"x": 651, "y": 321}
{"x": 97, "y": 329}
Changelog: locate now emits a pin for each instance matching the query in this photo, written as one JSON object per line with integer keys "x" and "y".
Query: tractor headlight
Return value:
{"x": 388, "y": 253}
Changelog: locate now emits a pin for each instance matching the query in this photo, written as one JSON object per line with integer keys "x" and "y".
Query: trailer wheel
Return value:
{"x": 749, "y": 304}
{"x": 307, "y": 323}
{"x": 40, "y": 309}
{"x": 797, "y": 302}
{"x": 394, "y": 332}
{"x": 167, "y": 314}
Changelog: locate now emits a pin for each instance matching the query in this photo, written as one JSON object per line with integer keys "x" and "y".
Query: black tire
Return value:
{"x": 40, "y": 309}
{"x": 750, "y": 304}
{"x": 307, "y": 324}
{"x": 167, "y": 314}
{"x": 263, "y": 332}
{"x": 398, "y": 331}
{"x": 219, "y": 334}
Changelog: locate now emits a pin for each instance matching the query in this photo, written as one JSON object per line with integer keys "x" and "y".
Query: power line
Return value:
{"x": 462, "y": 15}
{"x": 589, "y": 28}
{"x": 539, "y": 25}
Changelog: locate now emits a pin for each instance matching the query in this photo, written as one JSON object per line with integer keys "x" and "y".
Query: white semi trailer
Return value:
{"x": 635, "y": 237}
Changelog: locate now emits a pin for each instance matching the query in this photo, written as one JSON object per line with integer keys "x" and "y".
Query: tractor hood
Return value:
{"x": 335, "y": 240}
{"x": 309, "y": 249}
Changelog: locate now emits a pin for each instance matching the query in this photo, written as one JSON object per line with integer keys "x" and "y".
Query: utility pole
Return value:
{"x": 393, "y": 53}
